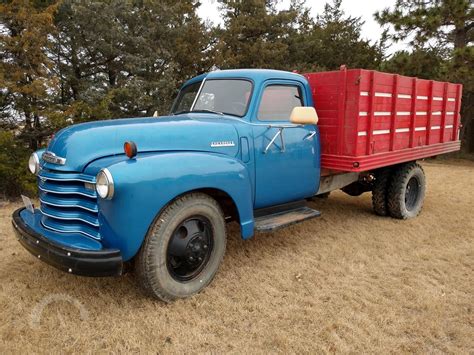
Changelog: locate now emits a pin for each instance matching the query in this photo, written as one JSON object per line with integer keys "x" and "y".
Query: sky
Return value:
{"x": 357, "y": 8}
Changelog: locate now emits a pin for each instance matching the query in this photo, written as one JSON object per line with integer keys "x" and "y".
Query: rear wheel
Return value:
{"x": 406, "y": 192}
{"x": 184, "y": 248}
{"x": 380, "y": 192}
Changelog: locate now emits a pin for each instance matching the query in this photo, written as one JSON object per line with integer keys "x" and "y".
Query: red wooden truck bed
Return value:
{"x": 369, "y": 119}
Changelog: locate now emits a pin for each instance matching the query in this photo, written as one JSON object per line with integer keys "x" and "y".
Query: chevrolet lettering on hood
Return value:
{"x": 222, "y": 144}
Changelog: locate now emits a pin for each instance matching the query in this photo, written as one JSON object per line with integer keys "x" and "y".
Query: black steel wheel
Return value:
{"x": 406, "y": 191}
{"x": 183, "y": 248}
{"x": 190, "y": 248}
{"x": 412, "y": 193}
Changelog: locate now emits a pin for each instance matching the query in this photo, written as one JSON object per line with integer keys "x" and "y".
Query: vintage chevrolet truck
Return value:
{"x": 251, "y": 146}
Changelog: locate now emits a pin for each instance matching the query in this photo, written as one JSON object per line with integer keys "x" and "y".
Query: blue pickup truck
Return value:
{"x": 154, "y": 194}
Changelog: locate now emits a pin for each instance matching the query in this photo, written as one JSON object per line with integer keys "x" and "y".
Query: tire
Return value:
{"x": 380, "y": 192}
{"x": 406, "y": 191}
{"x": 192, "y": 227}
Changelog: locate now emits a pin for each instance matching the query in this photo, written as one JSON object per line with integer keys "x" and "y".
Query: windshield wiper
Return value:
{"x": 210, "y": 111}
{"x": 203, "y": 110}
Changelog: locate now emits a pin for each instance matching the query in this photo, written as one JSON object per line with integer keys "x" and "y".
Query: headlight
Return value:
{"x": 34, "y": 164}
{"x": 104, "y": 184}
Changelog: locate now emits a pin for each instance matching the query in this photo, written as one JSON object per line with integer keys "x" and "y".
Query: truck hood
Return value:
{"x": 83, "y": 143}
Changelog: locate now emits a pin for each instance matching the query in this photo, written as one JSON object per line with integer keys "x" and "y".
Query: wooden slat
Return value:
{"x": 341, "y": 109}
{"x": 457, "y": 114}
{"x": 370, "y": 114}
{"x": 413, "y": 113}
{"x": 430, "y": 113}
{"x": 393, "y": 116}
{"x": 444, "y": 112}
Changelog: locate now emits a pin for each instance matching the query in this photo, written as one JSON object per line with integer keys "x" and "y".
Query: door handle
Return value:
{"x": 309, "y": 136}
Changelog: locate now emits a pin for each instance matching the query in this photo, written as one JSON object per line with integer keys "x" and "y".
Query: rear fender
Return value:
{"x": 145, "y": 185}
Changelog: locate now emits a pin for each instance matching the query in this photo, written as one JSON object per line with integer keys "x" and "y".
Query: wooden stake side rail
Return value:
{"x": 369, "y": 119}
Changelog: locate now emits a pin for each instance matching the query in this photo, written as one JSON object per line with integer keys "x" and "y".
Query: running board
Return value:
{"x": 280, "y": 219}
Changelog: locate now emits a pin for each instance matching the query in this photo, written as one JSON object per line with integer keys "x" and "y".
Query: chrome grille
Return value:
{"x": 67, "y": 206}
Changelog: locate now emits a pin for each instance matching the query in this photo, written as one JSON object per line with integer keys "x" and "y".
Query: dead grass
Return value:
{"x": 347, "y": 282}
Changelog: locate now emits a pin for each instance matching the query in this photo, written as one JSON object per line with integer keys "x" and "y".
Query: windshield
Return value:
{"x": 220, "y": 96}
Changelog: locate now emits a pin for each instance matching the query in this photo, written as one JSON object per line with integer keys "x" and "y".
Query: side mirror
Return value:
{"x": 304, "y": 115}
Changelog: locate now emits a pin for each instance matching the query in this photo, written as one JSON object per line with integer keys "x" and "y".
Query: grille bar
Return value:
{"x": 69, "y": 215}
{"x": 58, "y": 188}
{"x": 62, "y": 201}
{"x": 48, "y": 175}
{"x": 62, "y": 226}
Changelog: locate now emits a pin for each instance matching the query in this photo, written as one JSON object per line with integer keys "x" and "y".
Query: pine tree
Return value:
{"x": 255, "y": 34}
{"x": 122, "y": 59}
{"x": 443, "y": 27}
{"x": 25, "y": 69}
{"x": 333, "y": 39}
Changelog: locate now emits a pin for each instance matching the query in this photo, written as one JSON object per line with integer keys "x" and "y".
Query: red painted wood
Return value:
{"x": 341, "y": 108}
{"x": 393, "y": 115}
{"x": 457, "y": 113}
{"x": 387, "y": 134}
{"x": 370, "y": 115}
{"x": 369, "y": 162}
{"x": 444, "y": 112}
{"x": 430, "y": 112}
{"x": 414, "y": 101}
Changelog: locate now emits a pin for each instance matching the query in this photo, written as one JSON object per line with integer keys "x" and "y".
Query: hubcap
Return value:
{"x": 189, "y": 248}
{"x": 411, "y": 193}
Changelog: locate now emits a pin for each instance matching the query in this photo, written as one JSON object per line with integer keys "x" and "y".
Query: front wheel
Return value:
{"x": 183, "y": 249}
{"x": 406, "y": 192}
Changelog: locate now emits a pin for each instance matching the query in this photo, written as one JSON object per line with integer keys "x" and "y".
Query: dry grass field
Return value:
{"x": 347, "y": 282}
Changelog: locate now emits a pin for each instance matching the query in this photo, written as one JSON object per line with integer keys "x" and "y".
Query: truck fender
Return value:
{"x": 145, "y": 185}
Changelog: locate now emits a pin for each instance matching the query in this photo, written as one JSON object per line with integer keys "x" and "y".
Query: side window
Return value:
{"x": 278, "y": 101}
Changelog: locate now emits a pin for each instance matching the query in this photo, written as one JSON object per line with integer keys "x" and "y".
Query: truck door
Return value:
{"x": 286, "y": 155}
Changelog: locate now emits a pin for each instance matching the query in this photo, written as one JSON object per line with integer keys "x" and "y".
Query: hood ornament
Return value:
{"x": 52, "y": 158}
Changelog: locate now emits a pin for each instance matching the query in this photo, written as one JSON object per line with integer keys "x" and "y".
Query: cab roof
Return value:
{"x": 254, "y": 74}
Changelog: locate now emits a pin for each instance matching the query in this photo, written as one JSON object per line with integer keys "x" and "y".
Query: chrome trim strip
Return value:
{"x": 197, "y": 94}
{"x": 69, "y": 219}
{"x": 52, "y": 158}
{"x": 69, "y": 206}
{"x": 80, "y": 232}
{"x": 66, "y": 193}
{"x": 66, "y": 179}
{"x": 222, "y": 144}
{"x": 269, "y": 125}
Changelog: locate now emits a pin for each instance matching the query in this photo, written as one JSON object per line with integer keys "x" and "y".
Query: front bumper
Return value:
{"x": 104, "y": 262}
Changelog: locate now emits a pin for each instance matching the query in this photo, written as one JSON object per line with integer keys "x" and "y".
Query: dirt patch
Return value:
{"x": 348, "y": 281}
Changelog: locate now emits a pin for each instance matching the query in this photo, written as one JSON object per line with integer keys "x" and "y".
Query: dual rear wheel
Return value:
{"x": 399, "y": 192}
